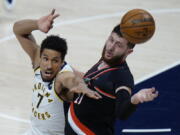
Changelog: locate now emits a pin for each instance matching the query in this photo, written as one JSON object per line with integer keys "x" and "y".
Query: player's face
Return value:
{"x": 116, "y": 48}
{"x": 50, "y": 64}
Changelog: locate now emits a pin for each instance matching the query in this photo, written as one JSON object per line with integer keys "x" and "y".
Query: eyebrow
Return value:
{"x": 119, "y": 42}
{"x": 52, "y": 58}
{"x": 55, "y": 57}
{"x": 44, "y": 55}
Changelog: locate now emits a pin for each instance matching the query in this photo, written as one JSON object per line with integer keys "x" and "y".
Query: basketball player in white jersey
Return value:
{"x": 54, "y": 79}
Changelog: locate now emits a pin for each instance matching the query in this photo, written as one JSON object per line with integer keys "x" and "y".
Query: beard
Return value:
{"x": 114, "y": 60}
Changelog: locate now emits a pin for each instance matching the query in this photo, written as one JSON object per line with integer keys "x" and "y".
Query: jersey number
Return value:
{"x": 79, "y": 99}
{"x": 40, "y": 99}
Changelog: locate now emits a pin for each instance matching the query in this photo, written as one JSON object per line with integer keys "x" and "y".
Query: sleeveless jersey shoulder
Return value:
{"x": 66, "y": 68}
{"x": 37, "y": 70}
{"x": 123, "y": 77}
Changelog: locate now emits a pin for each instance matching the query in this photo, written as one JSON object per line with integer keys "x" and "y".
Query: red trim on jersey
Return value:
{"x": 78, "y": 123}
{"x": 107, "y": 70}
{"x": 104, "y": 93}
{"x": 111, "y": 69}
{"x": 91, "y": 74}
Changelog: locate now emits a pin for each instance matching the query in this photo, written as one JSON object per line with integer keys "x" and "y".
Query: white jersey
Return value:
{"x": 47, "y": 108}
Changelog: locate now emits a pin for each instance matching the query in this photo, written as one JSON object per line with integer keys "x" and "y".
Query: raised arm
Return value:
{"x": 23, "y": 31}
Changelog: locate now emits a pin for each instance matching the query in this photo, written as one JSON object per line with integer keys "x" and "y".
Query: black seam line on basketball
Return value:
{"x": 135, "y": 26}
{"x": 134, "y": 37}
{"x": 131, "y": 16}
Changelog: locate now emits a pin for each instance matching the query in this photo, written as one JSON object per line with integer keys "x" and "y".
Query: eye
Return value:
{"x": 45, "y": 58}
{"x": 55, "y": 61}
{"x": 119, "y": 45}
{"x": 111, "y": 39}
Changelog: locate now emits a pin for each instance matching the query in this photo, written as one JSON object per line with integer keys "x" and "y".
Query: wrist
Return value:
{"x": 134, "y": 100}
{"x": 37, "y": 24}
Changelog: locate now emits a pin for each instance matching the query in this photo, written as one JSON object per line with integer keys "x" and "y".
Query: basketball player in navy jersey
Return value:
{"x": 54, "y": 79}
{"x": 112, "y": 78}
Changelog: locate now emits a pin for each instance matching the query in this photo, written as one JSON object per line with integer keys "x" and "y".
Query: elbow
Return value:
{"x": 15, "y": 28}
{"x": 18, "y": 28}
{"x": 121, "y": 115}
{"x": 125, "y": 110}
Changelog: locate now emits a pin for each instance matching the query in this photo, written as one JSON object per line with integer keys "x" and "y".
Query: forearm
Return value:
{"x": 78, "y": 73}
{"x": 124, "y": 106}
{"x": 69, "y": 80}
{"x": 72, "y": 86}
{"x": 25, "y": 27}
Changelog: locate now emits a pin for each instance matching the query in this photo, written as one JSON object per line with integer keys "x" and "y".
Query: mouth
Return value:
{"x": 48, "y": 73}
{"x": 109, "y": 54}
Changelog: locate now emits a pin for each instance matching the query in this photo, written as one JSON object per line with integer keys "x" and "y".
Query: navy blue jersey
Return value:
{"x": 97, "y": 117}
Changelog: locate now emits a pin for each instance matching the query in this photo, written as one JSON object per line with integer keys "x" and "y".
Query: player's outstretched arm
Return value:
{"x": 67, "y": 83}
{"x": 126, "y": 104}
{"x": 78, "y": 73}
{"x": 23, "y": 31}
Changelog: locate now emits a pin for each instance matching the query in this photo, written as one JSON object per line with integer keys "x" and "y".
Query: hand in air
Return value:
{"x": 45, "y": 23}
{"x": 144, "y": 95}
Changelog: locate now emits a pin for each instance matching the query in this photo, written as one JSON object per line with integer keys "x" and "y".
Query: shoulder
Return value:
{"x": 123, "y": 77}
{"x": 37, "y": 70}
{"x": 65, "y": 73}
{"x": 123, "y": 71}
{"x": 66, "y": 67}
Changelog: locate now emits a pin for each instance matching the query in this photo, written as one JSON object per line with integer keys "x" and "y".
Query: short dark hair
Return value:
{"x": 117, "y": 30}
{"x": 55, "y": 43}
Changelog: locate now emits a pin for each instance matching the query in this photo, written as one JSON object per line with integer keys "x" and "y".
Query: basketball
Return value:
{"x": 137, "y": 26}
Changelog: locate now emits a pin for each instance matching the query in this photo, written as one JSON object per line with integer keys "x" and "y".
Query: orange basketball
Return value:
{"x": 137, "y": 26}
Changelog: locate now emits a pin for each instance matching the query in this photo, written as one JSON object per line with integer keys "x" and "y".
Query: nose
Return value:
{"x": 111, "y": 46}
{"x": 49, "y": 64}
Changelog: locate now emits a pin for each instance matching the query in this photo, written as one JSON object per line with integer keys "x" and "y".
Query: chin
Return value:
{"x": 107, "y": 59}
{"x": 47, "y": 79}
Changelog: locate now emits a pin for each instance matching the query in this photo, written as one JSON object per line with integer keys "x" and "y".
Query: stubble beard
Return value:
{"x": 114, "y": 60}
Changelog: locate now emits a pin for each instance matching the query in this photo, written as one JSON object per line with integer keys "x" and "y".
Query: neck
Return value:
{"x": 106, "y": 64}
{"x": 103, "y": 65}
